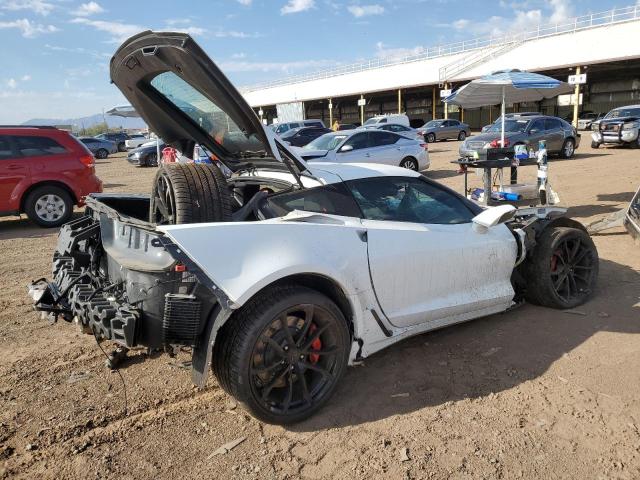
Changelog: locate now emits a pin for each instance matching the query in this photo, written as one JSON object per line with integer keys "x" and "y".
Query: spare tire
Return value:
{"x": 189, "y": 193}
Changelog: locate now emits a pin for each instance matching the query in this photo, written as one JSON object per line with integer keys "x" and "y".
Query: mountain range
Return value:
{"x": 90, "y": 121}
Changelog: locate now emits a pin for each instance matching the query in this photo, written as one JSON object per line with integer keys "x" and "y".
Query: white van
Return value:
{"x": 396, "y": 118}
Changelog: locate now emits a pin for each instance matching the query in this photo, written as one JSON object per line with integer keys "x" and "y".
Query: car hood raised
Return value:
{"x": 184, "y": 98}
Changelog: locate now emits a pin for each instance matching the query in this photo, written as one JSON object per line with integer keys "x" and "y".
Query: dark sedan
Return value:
{"x": 560, "y": 136}
{"x": 299, "y": 137}
{"x": 145, "y": 155}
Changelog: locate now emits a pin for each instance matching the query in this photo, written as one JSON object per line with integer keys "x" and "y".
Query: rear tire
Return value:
{"x": 263, "y": 356}
{"x": 410, "y": 163}
{"x": 49, "y": 206}
{"x": 122, "y": 147}
{"x": 152, "y": 160}
{"x": 102, "y": 153}
{"x": 462, "y": 135}
{"x": 189, "y": 193}
{"x": 563, "y": 271}
{"x": 430, "y": 138}
{"x": 595, "y": 144}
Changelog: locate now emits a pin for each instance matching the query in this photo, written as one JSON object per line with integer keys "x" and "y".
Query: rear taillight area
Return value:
{"x": 425, "y": 146}
{"x": 88, "y": 160}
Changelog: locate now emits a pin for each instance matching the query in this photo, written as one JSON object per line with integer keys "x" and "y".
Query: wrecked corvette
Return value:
{"x": 282, "y": 273}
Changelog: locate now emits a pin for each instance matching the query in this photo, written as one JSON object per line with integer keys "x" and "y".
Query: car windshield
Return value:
{"x": 209, "y": 116}
{"x": 432, "y": 123}
{"x": 372, "y": 121}
{"x": 325, "y": 142}
{"x": 510, "y": 126}
{"x": 623, "y": 112}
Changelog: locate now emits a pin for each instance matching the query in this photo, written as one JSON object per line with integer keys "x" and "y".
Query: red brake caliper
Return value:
{"x": 316, "y": 345}
{"x": 554, "y": 261}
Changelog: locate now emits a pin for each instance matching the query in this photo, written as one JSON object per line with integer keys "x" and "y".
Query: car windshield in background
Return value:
{"x": 510, "y": 126}
{"x": 624, "y": 112}
{"x": 211, "y": 118}
{"x": 432, "y": 123}
{"x": 372, "y": 121}
{"x": 325, "y": 142}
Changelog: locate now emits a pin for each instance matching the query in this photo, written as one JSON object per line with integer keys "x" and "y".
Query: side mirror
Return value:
{"x": 493, "y": 216}
{"x": 346, "y": 148}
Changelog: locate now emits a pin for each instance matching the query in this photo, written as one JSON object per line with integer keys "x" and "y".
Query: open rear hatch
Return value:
{"x": 185, "y": 98}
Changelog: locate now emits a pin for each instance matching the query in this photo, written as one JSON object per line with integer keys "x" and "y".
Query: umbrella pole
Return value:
{"x": 158, "y": 151}
{"x": 503, "y": 113}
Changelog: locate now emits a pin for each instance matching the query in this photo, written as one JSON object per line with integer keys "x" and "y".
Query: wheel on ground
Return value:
{"x": 189, "y": 193}
{"x": 122, "y": 147}
{"x": 563, "y": 270}
{"x": 284, "y": 353}
{"x": 462, "y": 135}
{"x": 595, "y": 144}
{"x": 568, "y": 148}
{"x": 152, "y": 160}
{"x": 431, "y": 137}
{"x": 409, "y": 163}
{"x": 102, "y": 153}
{"x": 49, "y": 206}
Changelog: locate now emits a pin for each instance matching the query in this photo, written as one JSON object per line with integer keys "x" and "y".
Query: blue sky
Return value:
{"x": 55, "y": 53}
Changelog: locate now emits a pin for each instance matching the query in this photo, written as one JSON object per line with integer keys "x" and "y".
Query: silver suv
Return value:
{"x": 619, "y": 127}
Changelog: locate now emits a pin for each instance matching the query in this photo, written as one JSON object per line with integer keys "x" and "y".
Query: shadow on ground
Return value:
{"x": 478, "y": 358}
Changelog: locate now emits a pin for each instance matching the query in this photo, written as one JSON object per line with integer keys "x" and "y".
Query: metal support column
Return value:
{"x": 446, "y": 106}
{"x": 576, "y": 101}
{"x": 399, "y": 100}
{"x": 330, "y": 113}
{"x": 433, "y": 103}
{"x": 362, "y": 111}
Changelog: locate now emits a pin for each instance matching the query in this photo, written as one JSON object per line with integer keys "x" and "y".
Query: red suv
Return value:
{"x": 43, "y": 173}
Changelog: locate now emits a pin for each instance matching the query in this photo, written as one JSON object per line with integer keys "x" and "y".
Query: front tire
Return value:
{"x": 283, "y": 354}
{"x": 102, "y": 153}
{"x": 410, "y": 163}
{"x": 595, "y": 144}
{"x": 431, "y": 138}
{"x": 122, "y": 147}
{"x": 49, "y": 206}
{"x": 568, "y": 148}
{"x": 462, "y": 135}
{"x": 563, "y": 271}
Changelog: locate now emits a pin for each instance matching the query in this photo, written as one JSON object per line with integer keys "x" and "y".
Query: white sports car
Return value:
{"x": 282, "y": 273}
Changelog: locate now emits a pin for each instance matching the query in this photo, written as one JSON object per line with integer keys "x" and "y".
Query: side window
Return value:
{"x": 5, "y": 148}
{"x": 405, "y": 199}
{"x": 381, "y": 138}
{"x": 551, "y": 124}
{"x": 537, "y": 125}
{"x": 332, "y": 199}
{"x": 30, "y": 146}
{"x": 454, "y": 123}
{"x": 358, "y": 141}
{"x": 383, "y": 120}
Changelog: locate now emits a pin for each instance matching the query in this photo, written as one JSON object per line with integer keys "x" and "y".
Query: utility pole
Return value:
{"x": 446, "y": 106}
{"x": 361, "y": 109}
{"x": 330, "y": 114}
{"x": 399, "y": 100}
{"x": 433, "y": 103}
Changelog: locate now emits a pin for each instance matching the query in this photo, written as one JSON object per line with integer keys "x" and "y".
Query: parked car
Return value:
{"x": 44, "y": 172}
{"x": 435, "y": 130}
{"x": 395, "y": 128}
{"x": 135, "y": 140}
{"x": 145, "y": 155}
{"x": 347, "y": 126}
{"x": 282, "y": 275}
{"x": 560, "y": 136}
{"x": 586, "y": 119}
{"x": 631, "y": 220}
{"x": 299, "y": 137}
{"x": 621, "y": 126}
{"x": 511, "y": 115}
{"x": 99, "y": 147}
{"x": 397, "y": 118}
{"x": 370, "y": 146}
{"x": 118, "y": 137}
{"x": 280, "y": 128}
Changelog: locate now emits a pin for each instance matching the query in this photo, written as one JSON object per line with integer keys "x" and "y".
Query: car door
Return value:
{"x": 428, "y": 262}
{"x": 452, "y": 129}
{"x": 553, "y": 134}
{"x": 442, "y": 130}
{"x": 360, "y": 149}
{"x": 536, "y": 132}
{"x": 384, "y": 148}
{"x": 13, "y": 170}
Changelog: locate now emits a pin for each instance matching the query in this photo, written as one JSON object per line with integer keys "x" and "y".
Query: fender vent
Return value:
{"x": 181, "y": 319}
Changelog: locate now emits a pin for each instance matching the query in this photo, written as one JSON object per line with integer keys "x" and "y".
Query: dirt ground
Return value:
{"x": 532, "y": 393}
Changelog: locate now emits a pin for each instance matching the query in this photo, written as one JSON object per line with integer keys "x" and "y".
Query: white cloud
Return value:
{"x": 11, "y": 83}
{"x": 388, "y": 53}
{"x": 118, "y": 31}
{"x": 365, "y": 10}
{"x": 295, "y": 6}
{"x": 88, "y": 9}
{"x": 26, "y": 78}
{"x": 185, "y": 25}
{"x": 282, "y": 67}
{"x": 561, "y": 10}
{"x": 39, "y": 7}
{"x": 245, "y": 2}
{"x": 28, "y": 28}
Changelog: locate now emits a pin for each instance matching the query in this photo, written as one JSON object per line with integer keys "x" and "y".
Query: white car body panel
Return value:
{"x": 428, "y": 272}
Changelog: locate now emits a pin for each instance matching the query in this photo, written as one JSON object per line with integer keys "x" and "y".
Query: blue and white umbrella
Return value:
{"x": 507, "y": 86}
